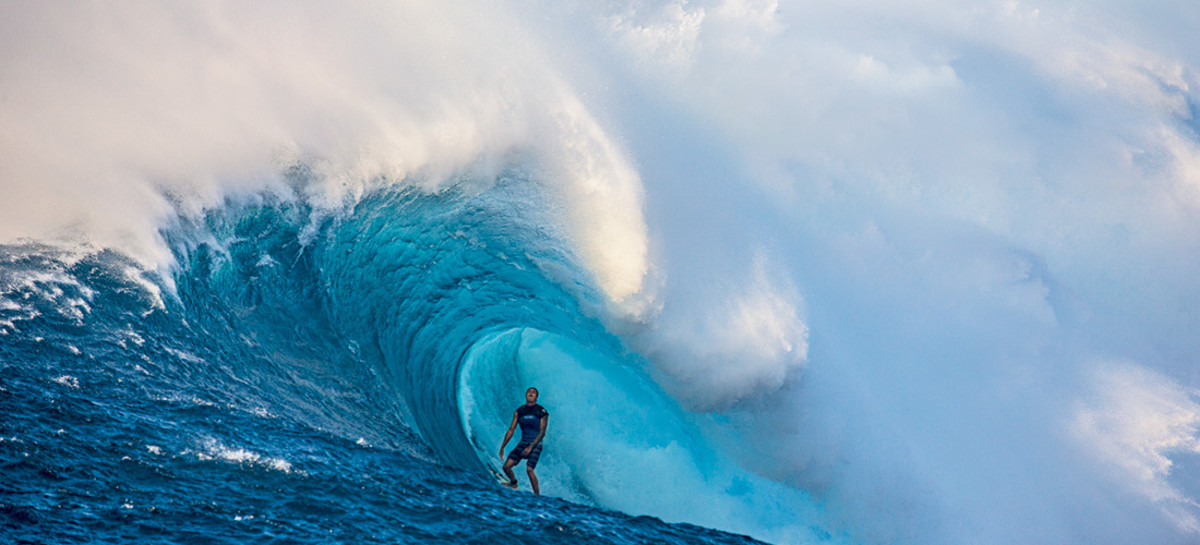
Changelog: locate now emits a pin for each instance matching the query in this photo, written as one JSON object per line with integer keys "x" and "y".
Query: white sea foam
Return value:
{"x": 262, "y": 413}
{"x": 133, "y": 337}
{"x": 67, "y": 380}
{"x": 185, "y": 356}
{"x": 214, "y": 450}
{"x": 23, "y": 290}
{"x": 890, "y": 241}
{"x": 151, "y": 289}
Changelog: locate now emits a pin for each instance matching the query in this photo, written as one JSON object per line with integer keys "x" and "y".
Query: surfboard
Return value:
{"x": 502, "y": 479}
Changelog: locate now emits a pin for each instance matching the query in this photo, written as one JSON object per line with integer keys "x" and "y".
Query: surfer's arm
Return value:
{"x": 508, "y": 434}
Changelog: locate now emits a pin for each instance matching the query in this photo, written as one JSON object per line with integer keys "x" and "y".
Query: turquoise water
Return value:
{"x": 310, "y": 377}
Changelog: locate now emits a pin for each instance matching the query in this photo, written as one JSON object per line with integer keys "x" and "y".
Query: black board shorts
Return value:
{"x": 531, "y": 460}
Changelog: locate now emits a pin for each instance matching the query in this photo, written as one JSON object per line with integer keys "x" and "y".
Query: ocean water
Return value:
{"x": 308, "y": 391}
{"x": 784, "y": 272}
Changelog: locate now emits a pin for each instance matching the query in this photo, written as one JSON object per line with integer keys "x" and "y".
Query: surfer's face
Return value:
{"x": 531, "y": 395}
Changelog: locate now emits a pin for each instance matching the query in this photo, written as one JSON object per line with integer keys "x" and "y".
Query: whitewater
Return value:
{"x": 783, "y": 272}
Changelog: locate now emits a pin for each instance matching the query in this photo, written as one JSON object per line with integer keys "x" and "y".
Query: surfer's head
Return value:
{"x": 531, "y": 395}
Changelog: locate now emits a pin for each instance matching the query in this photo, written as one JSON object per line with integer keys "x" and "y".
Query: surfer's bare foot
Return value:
{"x": 511, "y": 484}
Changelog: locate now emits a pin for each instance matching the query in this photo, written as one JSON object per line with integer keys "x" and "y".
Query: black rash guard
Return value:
{"x": 529, "y": 417}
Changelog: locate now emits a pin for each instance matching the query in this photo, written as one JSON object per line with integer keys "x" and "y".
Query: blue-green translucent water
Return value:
{"x": 308, "y": 377}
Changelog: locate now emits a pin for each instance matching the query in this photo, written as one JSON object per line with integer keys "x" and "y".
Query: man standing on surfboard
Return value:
{"x": 532, "y": 419}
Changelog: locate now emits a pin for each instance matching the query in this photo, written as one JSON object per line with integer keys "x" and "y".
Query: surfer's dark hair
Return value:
{"x": 535, "y": 390}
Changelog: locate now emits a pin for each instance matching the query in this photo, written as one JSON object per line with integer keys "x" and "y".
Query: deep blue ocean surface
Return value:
{"x": 300, "y": 379}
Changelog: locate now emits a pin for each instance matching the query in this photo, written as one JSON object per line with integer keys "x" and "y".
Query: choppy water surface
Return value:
{"x": 237, "y": 409}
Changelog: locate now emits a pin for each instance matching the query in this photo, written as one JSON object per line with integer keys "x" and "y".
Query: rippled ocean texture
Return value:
{"x": 247, "y": 404}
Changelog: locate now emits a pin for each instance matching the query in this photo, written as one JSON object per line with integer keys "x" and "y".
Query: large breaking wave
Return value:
{"x": 455, "y": 301}
{"x": 920, "y": 273}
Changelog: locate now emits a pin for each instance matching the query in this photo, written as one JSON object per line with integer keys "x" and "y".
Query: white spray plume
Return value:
{"x": 108, "y": 109}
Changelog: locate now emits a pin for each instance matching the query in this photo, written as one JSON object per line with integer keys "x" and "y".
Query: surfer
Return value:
{"x": 532, "y": 418}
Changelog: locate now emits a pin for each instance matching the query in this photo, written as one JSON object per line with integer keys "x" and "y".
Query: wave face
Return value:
{"x": 301, "y": 350}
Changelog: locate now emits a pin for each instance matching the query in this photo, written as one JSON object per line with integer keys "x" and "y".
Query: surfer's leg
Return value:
{"x": 532, "y": 479}
{"x": 508, "y": 472}
{"x": 530, "y": 463}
